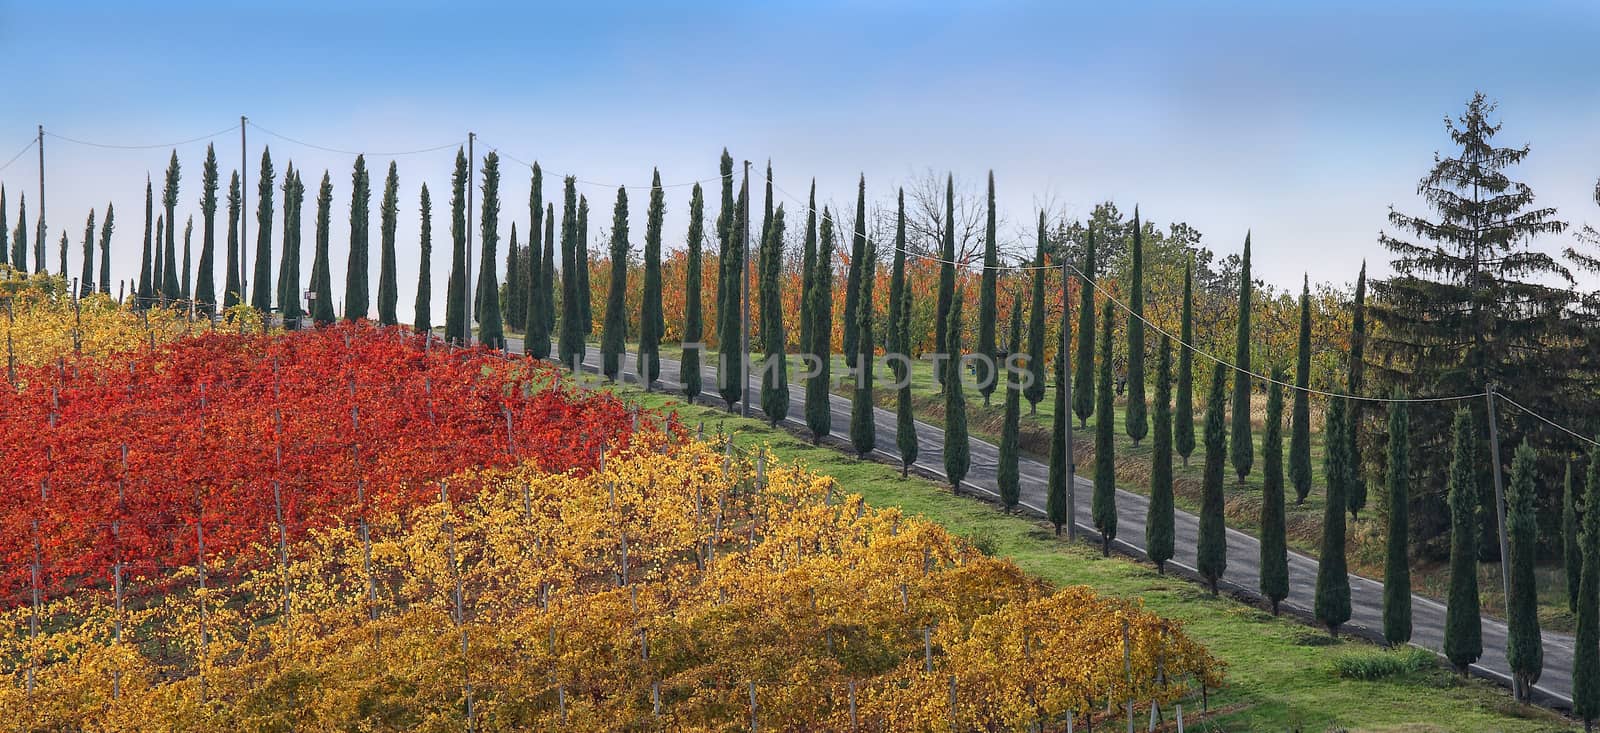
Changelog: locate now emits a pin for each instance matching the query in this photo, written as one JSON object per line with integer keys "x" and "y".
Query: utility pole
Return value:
{"x": 469, "y": 288}
{"x": 1066, "y": 420}
{"x": 39, "y": 242}
{"x": 244, "y": 216}
{"x": 1500, "y": 517}
{"x": 744, "y": 287}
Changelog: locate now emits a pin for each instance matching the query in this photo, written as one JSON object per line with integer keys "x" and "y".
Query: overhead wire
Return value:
{"x": 25, "y": 148}
{"x": 340, "y": 151}
{"x": 116, "y": 146}
{"x": 599, "y": 184}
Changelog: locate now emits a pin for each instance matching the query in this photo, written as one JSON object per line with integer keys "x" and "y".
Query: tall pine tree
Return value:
{"x": 205, "y": 288}
{"x": 1211, "y": 554}
{"x": 491, "y": 326}
{"x": 261, "y": 299}
{"x": 455, "y": 306}
{"x": 357, "y": 272}
{"x": 1036, "y": 335}
{"x": 863, "y": 431}
{"x": 1274, "y": 549}
{"x": 1300, "y": 435}
{"x": 1333, "y": 580}
{"x": 652, "y": 326}
{"x": 819, "y": 416}
{"x": 321, "y": 271}
{"x": 1159, "y": 519}
{"x": 693, "y": 317}
{"x": 957, "y": 451}
{"x": 1242, "y": 450}
{"x": 613, "y": 340}
{"x": 422, "y": 320}
{"x": 1083, "y": 379}
{"x": 1183, "y": 420}
{"x": 775, "y": 370}
{"x": 1524, "y": 649}
{"x": 1136, "y": 423}
{"x": 389, "y": 218}
{"x": 1397, "y": 563}
{"x": 986, "y": 304}
{"x": 1007, "y": 478}
{"x": 947, "y": 288}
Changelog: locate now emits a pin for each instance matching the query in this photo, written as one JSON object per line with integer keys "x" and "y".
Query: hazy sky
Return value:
{"x": 1300, "y": 123}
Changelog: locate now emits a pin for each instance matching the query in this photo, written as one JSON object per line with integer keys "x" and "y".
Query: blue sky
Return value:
{"x": 1302, "y": 123}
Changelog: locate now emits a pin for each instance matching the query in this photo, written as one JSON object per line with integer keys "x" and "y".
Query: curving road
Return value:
{"x": 1242, "y": 577}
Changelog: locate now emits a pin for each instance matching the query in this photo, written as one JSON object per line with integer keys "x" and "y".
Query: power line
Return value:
{"x": 598, "y": 184}
{"x": 377, "y": 154}
{"x": 25, "y": 148}
{"x": 115, "y": 146}
{"x": 1546, "y": 420}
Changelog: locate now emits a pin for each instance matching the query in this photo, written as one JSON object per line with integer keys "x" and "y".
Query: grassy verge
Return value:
{"x": 1282, "y": 675}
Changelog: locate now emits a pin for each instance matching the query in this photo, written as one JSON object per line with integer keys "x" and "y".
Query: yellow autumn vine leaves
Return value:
{"x": 654, "y": 593}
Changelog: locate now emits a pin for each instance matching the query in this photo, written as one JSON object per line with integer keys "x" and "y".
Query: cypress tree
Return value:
{"x": 422, "y": 321}
{"x": 1333, "y": 581}
{"x": 775, "y": 371}
{"x": 585, "y": 299}
{"x": 730, "y": 374}
{"x": 1135, "y": 419}
{"x": 513, "y": 314}
{"x": 1358, "y": 338}
{"x": 727, "y": 248}
{"x": 86, "y": 283}
{"x": 852, "y": 288}
{"x": 321, "y": 270}
{"x": 288, "y": 287}
{"x": 491, "y": 328}
{"x": 106, "y": 225}
{"x": 1055, "y": 506}
{"x": 1300, "y": 437}
{"x": 808, "y": 270}
{"x": 1397, "y": 566}
{"x": 1211, "y": 554}
{"x": 262, "y": 298}
{"x": 1105, "y": 461}
{"x": 905, "y": 430}
{"x": 987, "y": 296}
{"x": 1007, "y": 478}
{"x": 1083, "y": 379}
{"x": 158, "y": 279}
{"x": 535, "y": 322}
{"x": 455, "y": 309}
{"x": 232, "y": 294}
{"x": 1036, "y": 365}
{"x": 895, "y": 341}
{"x": 146, "y": 274}
{"x": 613, "y": 340}
{"x": 1183, "y": 421}
{"x": 19, "y": 246}
{"x": 947, "y": 286}
{"x": 1463, "y": 629}
{"x": 389, "y": 218}
{"x": 1274, "y": 548}
{"x": 205, "y": 289}
{"x": 693, "y": 319}
{"x": 356, "y": 267}
{"x": 570, "y": 346}
{"x": 185, "y": 292}
{"x": 651, "y": 323}
{"x": 171, "y": 289}
{"x": 62, "y": 249}
{"x": 819, "y": 417}
{"x": 863, "y": 432}
{"x": 957, "y": 452}
{"x": 1586, "y": 649}
{"x": 1159, "y": 521}
{"x": 548, "y": 271}
{"x": 1571, "y": 546}
{"x": 8, "y": 254}
{"x": 1524, "y": 651}
{"x": 761, "y": 304}
{"x": 1243, "y": 450}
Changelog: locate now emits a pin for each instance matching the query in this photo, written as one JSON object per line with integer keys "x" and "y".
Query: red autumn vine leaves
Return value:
{"x": 211, "y": 423}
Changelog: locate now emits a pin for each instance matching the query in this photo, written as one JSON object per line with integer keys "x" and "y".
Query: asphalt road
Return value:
{"x": 1242, "y": 576}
